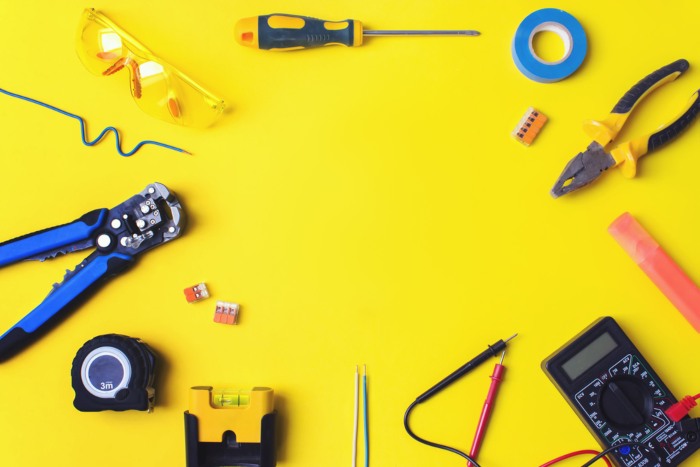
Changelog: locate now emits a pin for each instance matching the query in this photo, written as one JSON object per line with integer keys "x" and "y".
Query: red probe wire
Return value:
{"x": 496, "y": 379}
{"x": 573, "y": 454}
{"x": 681, "y": 408}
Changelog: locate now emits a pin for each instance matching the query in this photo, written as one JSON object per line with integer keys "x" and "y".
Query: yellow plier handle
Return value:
{"x": 626, "y": 154}
{"x": 605, "y": 131}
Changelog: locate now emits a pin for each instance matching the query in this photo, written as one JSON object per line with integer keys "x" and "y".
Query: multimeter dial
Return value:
{"x": 626, "y": 403}
{"x": 619, "y": 397}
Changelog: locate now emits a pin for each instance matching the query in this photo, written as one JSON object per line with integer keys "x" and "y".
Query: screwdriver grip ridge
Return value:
{"x": 280, "y": 31}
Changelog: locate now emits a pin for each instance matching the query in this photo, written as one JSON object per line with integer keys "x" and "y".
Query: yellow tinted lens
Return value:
{"x": 159, "y": 89}
{"x": 99, "y": 46}
{"x": 163, "y": 93}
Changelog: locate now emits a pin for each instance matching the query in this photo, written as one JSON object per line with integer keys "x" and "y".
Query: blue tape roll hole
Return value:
{"x": 567, "y": 28}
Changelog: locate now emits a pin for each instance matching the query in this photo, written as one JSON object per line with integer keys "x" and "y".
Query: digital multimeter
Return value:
{"x": 619, "y": 397}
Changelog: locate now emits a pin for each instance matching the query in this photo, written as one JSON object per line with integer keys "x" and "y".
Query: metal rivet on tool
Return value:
{"x": 125, "y": 216}
{"x": 123, "y": 241}
{"x": 171, "y": 230}
{"x": 145, "y": 208}
{"x": 104, "y": 241}
{"x": 116, "y": 223}
{"x": 151, "y": 190}
{"x": 140, "y": 223}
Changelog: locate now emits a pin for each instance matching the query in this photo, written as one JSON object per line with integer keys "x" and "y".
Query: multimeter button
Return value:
{"x": 626, "y": 403}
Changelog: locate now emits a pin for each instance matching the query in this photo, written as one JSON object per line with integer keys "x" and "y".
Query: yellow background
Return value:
{"x": 363, "y": 205}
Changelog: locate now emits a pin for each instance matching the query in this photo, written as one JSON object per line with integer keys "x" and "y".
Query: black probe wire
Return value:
{"x": 430, "y": 443}
{"x": 491, "y": 351}
{"x": 463, "y": 370}
{"x": 617, "y": 447}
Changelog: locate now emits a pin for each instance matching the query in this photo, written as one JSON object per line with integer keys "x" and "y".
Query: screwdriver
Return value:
{"x": 291, "y": 32}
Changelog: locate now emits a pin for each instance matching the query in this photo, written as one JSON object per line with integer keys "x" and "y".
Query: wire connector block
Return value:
{"x": 196, "y": 293}
{"x": 529, "y": 126}
{"x": 226, "y": 312}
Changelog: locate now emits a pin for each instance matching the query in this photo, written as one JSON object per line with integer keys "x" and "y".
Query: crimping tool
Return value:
{"x": 588, "y": 165}
{"x": 140, "y": 223}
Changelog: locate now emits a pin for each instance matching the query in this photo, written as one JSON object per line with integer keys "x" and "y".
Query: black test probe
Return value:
{"x": 491, "y": 351}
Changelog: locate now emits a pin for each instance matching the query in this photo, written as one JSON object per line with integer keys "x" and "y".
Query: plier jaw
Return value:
{"x": 119, "y": 235}
{"x": 149, "y": 219}
{"x": 588, "y": 165}
{"x": 584, "y": 168}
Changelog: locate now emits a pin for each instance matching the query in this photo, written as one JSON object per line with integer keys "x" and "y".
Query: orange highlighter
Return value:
{"x": 660, "y": 268}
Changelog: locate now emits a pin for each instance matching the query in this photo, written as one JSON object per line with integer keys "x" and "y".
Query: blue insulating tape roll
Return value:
{"x": 564, "y": 25}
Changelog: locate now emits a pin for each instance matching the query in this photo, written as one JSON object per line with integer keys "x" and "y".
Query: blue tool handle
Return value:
{"x": 54, "y": 238}
{"x": 87, "y": 276}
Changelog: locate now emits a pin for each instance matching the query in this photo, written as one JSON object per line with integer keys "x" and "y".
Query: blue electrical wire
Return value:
{"x": 83, "y": 134}
{"x": 364, "y": 396}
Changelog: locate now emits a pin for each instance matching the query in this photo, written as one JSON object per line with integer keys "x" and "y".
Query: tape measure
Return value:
{"x": 113, "y": 372}
{"x": 619, "y": 396}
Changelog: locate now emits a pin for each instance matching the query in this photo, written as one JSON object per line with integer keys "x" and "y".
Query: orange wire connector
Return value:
{"x": 226, "y": 312}
{"x": 529, "y": 126}
{"x": 196, "y": 293}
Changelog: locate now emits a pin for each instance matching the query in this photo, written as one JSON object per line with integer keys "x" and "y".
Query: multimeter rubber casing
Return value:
{"x": 619, "y": 396}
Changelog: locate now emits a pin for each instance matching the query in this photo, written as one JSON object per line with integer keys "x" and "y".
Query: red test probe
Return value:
{"x": 496, "y": 379}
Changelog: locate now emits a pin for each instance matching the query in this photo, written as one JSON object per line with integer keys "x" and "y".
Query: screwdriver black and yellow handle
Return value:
{"x": 291, "y": 32}
{"x": 626, "y": 154}
{"x": 603, "y": 132}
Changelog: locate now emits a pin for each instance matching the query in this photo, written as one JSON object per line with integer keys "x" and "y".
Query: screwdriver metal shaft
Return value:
{"x": 427, "y": 32}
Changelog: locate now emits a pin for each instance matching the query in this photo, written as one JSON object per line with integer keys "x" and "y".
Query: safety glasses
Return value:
{"x": 158, "y": 88}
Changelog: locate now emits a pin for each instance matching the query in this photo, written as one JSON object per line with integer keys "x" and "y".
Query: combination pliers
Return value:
{"x": 588, "y": 165}
{"x": 119, "y": 235}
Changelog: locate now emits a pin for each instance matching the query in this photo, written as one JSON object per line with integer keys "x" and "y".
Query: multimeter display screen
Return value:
{"x": 589, "y": 356}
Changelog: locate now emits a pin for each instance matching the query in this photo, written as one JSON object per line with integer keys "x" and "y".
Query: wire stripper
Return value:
{"x": 119, "y": 235}
{"x": 588, "y": 165}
